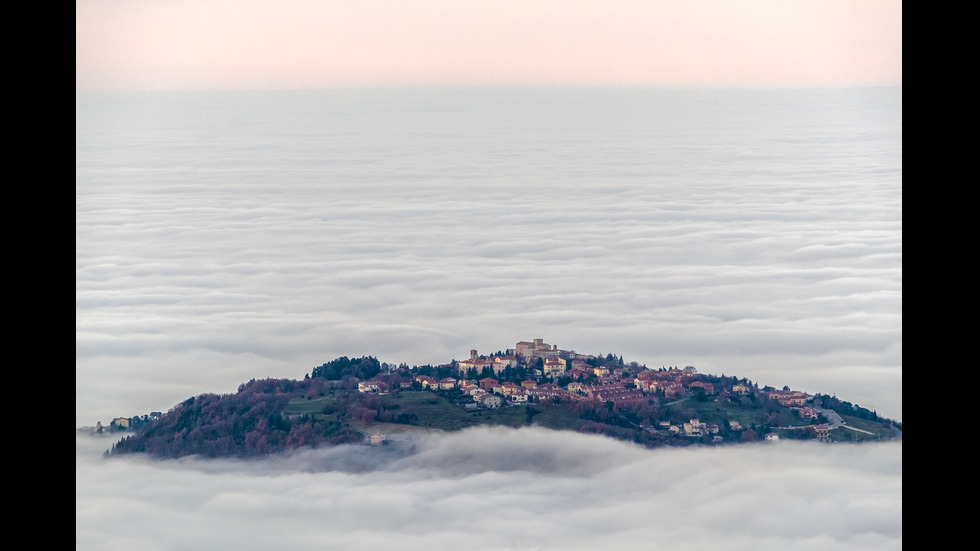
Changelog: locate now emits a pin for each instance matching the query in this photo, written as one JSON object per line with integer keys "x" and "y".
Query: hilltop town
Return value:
{"x": 363, "y": 400}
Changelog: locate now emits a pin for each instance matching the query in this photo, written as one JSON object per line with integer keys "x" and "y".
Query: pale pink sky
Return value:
{"x": 215, "y": 44}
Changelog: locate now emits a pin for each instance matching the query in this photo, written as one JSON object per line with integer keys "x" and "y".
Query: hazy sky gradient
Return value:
{"x": 219, "y": 44}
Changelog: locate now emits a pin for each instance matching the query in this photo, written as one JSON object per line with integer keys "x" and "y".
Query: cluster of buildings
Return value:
{"x": 524, "y": 353}
{"x": 588, "y": 380}
{"x": 544, "y": 364}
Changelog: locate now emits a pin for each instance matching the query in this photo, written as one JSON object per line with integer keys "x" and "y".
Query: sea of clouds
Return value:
{"x": 227, "y": 236}
{"x": 224, "y": 236}
{"x": 498, "y": 489}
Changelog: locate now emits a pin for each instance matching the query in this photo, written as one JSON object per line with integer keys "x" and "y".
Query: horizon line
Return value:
{"x": 528, "y": 86}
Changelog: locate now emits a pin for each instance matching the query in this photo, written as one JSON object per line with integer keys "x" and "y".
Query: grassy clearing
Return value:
{"x": 507, "y": 416}
{"x": 558, "y": 417}
{"x": 720, "y": 412}
{"x": 879, "y": 431}
{"x": 723, "y": 411}
{"x": 298, "y": 406}
{"x": 430, "y": 410}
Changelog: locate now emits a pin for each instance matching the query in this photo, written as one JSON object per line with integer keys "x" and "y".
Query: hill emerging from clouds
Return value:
{"x": 361, "y": 400}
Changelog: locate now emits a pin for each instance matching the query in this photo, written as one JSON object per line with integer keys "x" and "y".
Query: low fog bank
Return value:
{"x": 490, "y": 489}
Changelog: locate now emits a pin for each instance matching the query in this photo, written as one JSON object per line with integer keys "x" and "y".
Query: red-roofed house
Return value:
{"x": 789, "y": 397}
{"x": 709, "y": 388}
{"x": 519, "y": 396}
{"x": 490, "y": 401}
{"x": 808, "y": 413}
{"x": 554, "y": 367}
